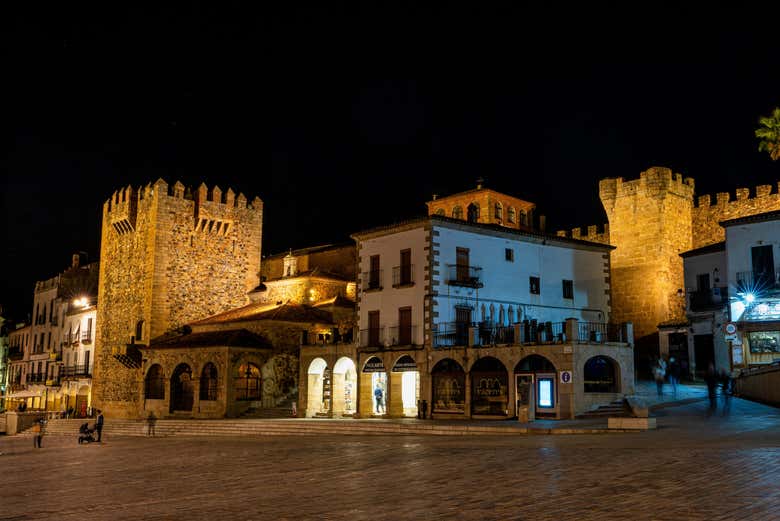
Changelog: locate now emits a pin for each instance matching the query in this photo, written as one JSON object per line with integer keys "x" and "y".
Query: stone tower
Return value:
{"x": 166, "y": 259}
{"x": 650, "y": 224}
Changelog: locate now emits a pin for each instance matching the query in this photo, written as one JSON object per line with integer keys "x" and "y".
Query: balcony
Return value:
{"x": 403, "y": 276}
{"x": 36, "y": 378}
{"x": 463, "y": 275}
{"x": 86, "y": 337}
{"x": 601, "y": 332}
{"x": 333, "y": 337}
{"x": 75, "y": 371}
{"x": 708, "y": 299}
{"x": 15, "y": 353}
{"x": 372, "y": 280}
{"x": 374, "y": 337}
{"x": 451, "y": 334}
{"x": 401, "y": 336}
{"x": 757, "y": 281}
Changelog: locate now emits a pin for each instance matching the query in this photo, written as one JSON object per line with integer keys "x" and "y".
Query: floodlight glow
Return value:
{"x": 749, "y": 298}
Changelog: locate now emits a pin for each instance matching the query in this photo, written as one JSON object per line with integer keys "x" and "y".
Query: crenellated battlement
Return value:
{"x": 740, "y": 194}
{"x": 212, "y": 209}
{"x": 594, "y": 233}
{"x": 656, "y": 181}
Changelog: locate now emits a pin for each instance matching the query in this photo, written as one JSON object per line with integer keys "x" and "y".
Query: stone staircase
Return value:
{"x": 613, "y": 409}
{"x": 283, "y": 409}
{"x": 275, "y": 427}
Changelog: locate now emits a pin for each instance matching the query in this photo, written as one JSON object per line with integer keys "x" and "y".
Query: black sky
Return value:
{"x": 344, "y": 118}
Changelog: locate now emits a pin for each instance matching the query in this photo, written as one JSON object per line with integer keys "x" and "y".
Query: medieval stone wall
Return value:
{"x": 168, "y": 259}
{"x": 707, "y": 215}
{"x": 340, "y": 260}
{"x": 650, "y": 225}
{"x": 301, "y": 290}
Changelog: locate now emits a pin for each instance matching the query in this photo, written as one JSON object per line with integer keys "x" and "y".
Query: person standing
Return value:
{"x": 99, "y": 424}
{"x": 151, "y": 420}
{"x": 38, "y": 433}
{"x": 711, "y": 378}
{"x": 659, "y": 372}
{"x": 378, "y": 396}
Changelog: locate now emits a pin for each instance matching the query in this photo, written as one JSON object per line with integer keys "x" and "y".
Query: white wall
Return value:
{"x": 75, "y": 355}
{"x": 507, "y": 283}
{"x": 741, "y": 238}
{"x": 389, "y": 299}
{"x": 705, "y": 263}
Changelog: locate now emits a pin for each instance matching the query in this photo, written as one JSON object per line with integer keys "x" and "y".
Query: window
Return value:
{"x": 523, "y": 218}
{"x": 510, "y": 215}
{"x": 509, "y": 254}
{"x": 139, "y": 330}
{"x": 374, "y": 274}
{"x": 499, "y": 210}
{"x": 457, "y": 213}
{"x": 703, "y": 282}
{"x": 473, "y": 213}
{"x": 248, "y": 382}
{"x": 405, "y": 271}
{"x": 600, "y": 375}
{"x": 568, "y": 289}
{"x": 154, "y": 383}
{"x": 533, "y": 285}
{"x": 373, "y": 329}
{"x": 208, "y": 383}
{"x": 440, "y": 211}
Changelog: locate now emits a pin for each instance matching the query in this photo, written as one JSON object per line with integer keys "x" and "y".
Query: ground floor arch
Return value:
{"x": 449, "y": 387}
{"x": 536, "y": 386}
{"x": 182, "y": 389}
{"x": 344, "y": 387}
{"x": 318, "y": 388}
{"x": 489, "y": 387}
{"x": 373, "y": 387}
{"x": 405, "y": 387}
{"x": 601, "y": 374}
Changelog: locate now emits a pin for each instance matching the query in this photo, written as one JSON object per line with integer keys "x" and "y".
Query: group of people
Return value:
{"x": 725, "y": 382}
{"x": 662, "y": 369}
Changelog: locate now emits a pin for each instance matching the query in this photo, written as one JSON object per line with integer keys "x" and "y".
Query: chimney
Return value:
{"x": 435, "y": 196}
{"x": 479, "y": 183}
{"x": 542, "y": 222}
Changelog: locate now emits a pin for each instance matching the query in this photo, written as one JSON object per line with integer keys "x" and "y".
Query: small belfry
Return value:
{"x": 167, "y": 259}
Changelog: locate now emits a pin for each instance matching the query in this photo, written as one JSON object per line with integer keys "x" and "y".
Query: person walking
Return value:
{"x": 38, "y": 429}
{"x": 99, "y": 424}
{"x": 151, "y": 420}
{"x": 674, "y": 374}
{"x": 659, "y": 373}
{"x": 726, "y": 384}
{"x": 711, "y": 378}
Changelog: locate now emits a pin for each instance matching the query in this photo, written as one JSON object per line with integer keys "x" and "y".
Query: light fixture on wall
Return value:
{"x": 716, "y": 275}
{"x": 680, "y": 292}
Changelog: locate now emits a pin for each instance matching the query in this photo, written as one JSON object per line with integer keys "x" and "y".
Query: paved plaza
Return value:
{"x": 691, "y": 468}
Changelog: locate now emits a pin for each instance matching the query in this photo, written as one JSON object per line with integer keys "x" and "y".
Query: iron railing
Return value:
{"x": 403, "y": 275}
{"x": 464, "y": 275}
{"x": 708, "y": 299}
{"x": 73, "y": 371}
{"x": 534, "y": 332}
{"x": 373, "y": 279}
{"x": 601, "y": 332}
{"x": 15, "y": 353}
{"x": 401, "y": 336}
{"x": 754, "y": 281}
{"x": 450, "y": 334}
{"x": 34, "y": 378}
{"x": 86, "y": 337}
{"x": 373, "y": 337}
{"x": 491, "y": 334}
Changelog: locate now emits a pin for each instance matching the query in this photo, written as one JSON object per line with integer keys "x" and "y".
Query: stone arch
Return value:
{"x": 344, "y": 387}
{"x": 535, "y": 364}
{"x": 209, "y": 382}
{"x": 601, "y": 374}
{"x": 317, "y": 373}
{"x": 440, "y": 211}
{"x": 499, "y": 211}
{"x": 405, "y": 375}
{"x": 182, "y": 388}
{"x": 457, "y": 212}
{"x": 523, "y": 218}
{"x": 545, "y": 383}
{"x": 473, "y": 212}
{"x": 247, "y": 382}
{"x": 489, "y": 387}
{"x": 511, "y": 215}
{"x": 154, "y": 383}
{"x": 449, "y": 393}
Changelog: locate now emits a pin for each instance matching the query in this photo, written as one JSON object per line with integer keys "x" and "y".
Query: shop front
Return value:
{"x": 489, "y": 388}
{"x": 538, "y": 372}
{"x": 405, "y": 382}
{"x": 449, "y": 388}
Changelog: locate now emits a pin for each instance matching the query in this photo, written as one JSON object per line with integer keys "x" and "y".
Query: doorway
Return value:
{"x": 181, "y": 389}
{"x": 704, "y": 353}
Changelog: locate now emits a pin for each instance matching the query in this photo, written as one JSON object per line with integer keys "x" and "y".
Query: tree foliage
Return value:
{"x": 769, "y": 134}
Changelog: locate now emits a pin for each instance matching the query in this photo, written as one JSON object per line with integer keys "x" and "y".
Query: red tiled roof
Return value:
{"x": 286, "y": 313}
{"x": 230, "y": 338}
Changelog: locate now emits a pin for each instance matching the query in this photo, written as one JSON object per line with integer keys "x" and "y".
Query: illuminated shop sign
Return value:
{"x": 405, "y": 363}
{"x": 374, "y": 365}
{"x": 764, "y": 341}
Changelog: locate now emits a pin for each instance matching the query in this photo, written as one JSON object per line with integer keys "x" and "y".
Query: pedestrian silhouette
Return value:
{"x": 711, "y": 378}
{"x": 726, "y": 384}
{"x": 151, "y": 420}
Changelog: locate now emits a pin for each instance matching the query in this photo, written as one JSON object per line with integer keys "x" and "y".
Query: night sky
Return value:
{"x": 346, "y": 118}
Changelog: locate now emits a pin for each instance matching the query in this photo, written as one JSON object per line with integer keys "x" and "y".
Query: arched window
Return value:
{"x": 499, "y": 209}
{"x": 154, "y": 383}
{"x": 510, "y": 215}
{"x": 457, "y": 213}
{"x": 600, "y": 375}
{"x": 523, "y": 218}
{"x": 208, "y": 383}
{"x": 473, "y": 210}
{"x": 139, "y": 330}
{"x": 248, "y": 382}
{"x": 440, "y": 211}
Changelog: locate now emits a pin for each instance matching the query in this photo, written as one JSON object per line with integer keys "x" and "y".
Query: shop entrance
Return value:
{"x": 489, "y": 389}
{"x": 373, "y": 393}
{"x": 405, "y": 382}
{"x": 344, "y": 387}
{"x": 318, "y": 385}
{"x": 704, "y": 353}
{"x": 449, "y": 388}
{"x": 82, "y": 402}
{"x": 544, "y": 380}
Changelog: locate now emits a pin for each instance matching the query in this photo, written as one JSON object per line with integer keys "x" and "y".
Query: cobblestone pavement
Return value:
{"x": 691, "y": 468}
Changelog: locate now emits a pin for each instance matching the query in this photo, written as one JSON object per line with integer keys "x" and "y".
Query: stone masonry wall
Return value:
{"x": 650, "y": 225}
{"x": 706, "y": 215}
{"x": 168, "y": 260}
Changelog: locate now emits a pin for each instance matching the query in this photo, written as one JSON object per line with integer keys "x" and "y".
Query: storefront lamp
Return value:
{"x": 81, "y": 302}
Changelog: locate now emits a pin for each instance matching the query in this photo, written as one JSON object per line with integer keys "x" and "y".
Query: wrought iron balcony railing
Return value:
{"x": 373, "y": 337}
{"x": 464, "y": 275}
{"x": 401, "y": 335}
{"x": 372, "y": 279}
{"x": 403, "y": 275}
{"x": 75, "y": 371}
{"x": 756, "y": 281}
{"x": 451, "y": 334}
{"x": 86, "y": 337}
